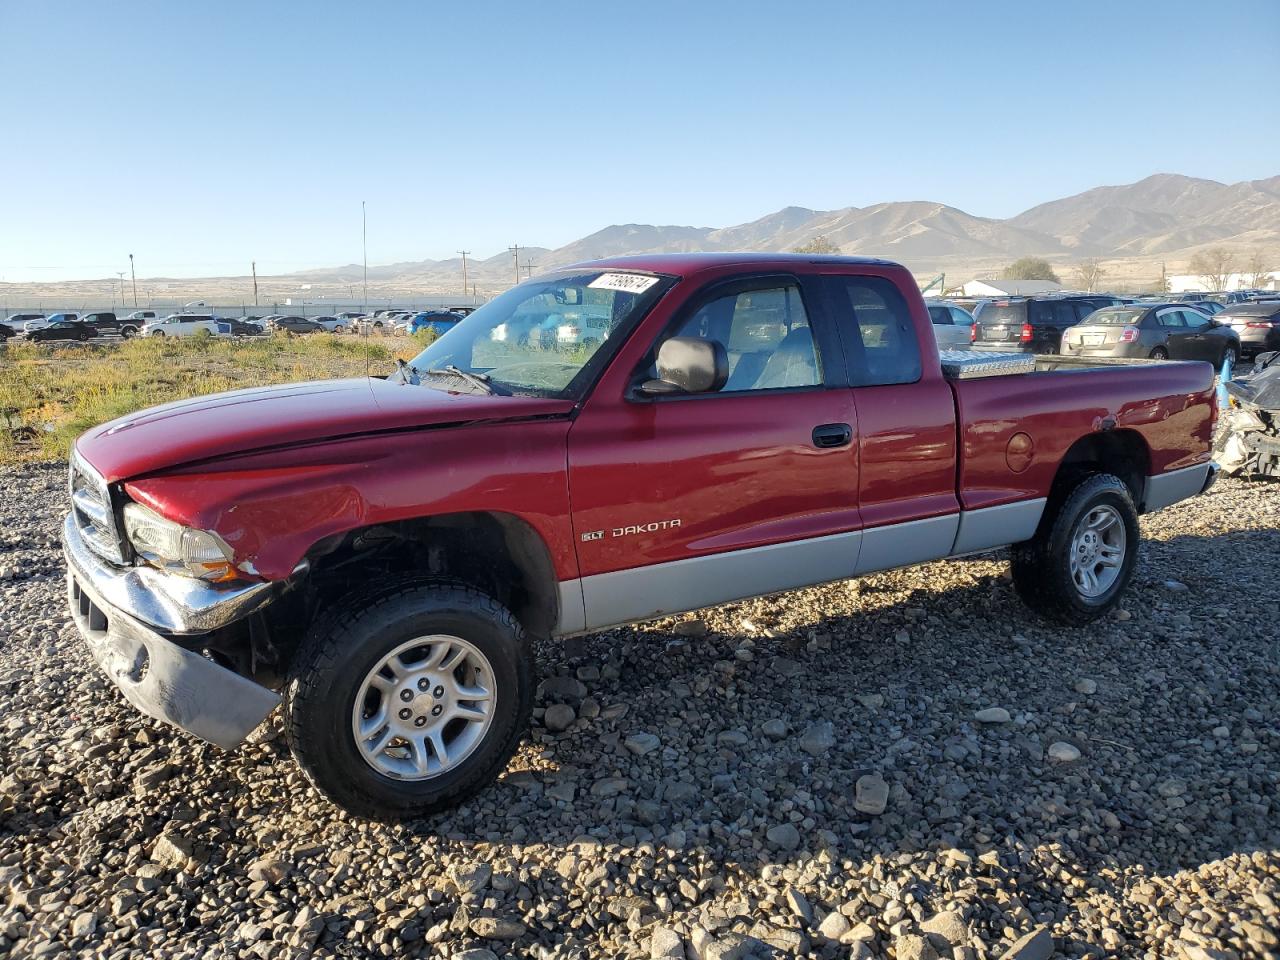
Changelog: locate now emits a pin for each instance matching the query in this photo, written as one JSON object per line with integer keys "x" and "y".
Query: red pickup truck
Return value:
{"x": 615, "y": 441}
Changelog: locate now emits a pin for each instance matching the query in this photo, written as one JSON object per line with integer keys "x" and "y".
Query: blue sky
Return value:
{"x": 203, "y": 136}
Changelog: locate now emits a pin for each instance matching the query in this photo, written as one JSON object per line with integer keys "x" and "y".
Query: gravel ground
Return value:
{"x": 908, "y": 766}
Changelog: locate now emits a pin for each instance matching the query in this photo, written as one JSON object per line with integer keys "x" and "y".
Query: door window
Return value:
{"x": 961, "y": 318}
{"x": 940, "y": 315}
{"x": 766, "y": 334}
{"x": 1171, "y": 320}
{"x": 875, "y": 324}
{"x": 1064, "y": 314}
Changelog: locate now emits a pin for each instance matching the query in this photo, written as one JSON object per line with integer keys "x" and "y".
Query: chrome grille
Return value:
{"x": 92, "y": 511}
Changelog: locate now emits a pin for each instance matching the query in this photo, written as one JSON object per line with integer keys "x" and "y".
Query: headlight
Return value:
{"x": 175, "y": 548}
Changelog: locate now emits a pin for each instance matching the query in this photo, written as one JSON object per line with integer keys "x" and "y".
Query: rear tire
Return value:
{"x": 1159, "y": 353}
{"x": 1074, "y": 569}
{"x": 336, "y": 663}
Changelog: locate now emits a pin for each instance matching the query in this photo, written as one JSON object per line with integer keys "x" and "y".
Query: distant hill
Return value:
{"x": 1137, "y": 227}
{"x": 1165, "y": 214}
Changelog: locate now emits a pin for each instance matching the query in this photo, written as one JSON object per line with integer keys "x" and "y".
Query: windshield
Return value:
{"x": 1113, "y": 318}
{"x": 546, "y": 337}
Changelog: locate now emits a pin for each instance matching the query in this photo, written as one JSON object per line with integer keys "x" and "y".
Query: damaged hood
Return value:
{"x": 225, "y": 424}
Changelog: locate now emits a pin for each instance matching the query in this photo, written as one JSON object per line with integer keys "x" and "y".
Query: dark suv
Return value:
{"x": 1029, "y": 324}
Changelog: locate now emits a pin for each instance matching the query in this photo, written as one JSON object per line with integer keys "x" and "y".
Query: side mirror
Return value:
{"x": 689, "y": 365}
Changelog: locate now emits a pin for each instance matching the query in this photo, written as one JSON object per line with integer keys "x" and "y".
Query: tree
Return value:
{"x": 1213, "y": 267}
{"x": 819, "y": 244}
{"x": 1091, "y": 273}
{"x": 1030, "y": 268}
{"x": 1256, "y": 273}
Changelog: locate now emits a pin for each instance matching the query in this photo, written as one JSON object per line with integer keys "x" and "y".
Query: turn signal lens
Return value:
{"x": 1128, "y": 334}
{"x": 1026, "y": 333}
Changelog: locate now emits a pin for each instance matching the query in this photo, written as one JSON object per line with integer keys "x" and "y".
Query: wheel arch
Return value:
{"x": 498, "y": 553}
{"x": 1123, "y": 453}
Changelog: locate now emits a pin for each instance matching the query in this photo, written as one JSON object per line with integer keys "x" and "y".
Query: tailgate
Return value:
{"x": 1098, "y": 335}
{"x": 1000, "y": 322}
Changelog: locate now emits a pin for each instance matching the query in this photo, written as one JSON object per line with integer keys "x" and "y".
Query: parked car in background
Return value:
{"x": 332, "y": 324}
{"x": 7, "y": 332}
{"x": 439, "y": 321}
{"x": 1026, "y": 324}
{"x": 18, "y": 321}
{"x": 229, "y": 327}
{"x": 64, "y": 330}
{"x": 1095, "y": 300}
{"x": 38, "y": 322}
{"x": 139, "y": 317}
{"x": 1256, "y": 322}
{"x": 182, "y": 325}
{"x": 952, "y": 325}
{"x": 106, "y": 322}
{"x": 296, "y": 325}
{"x": 1210, "y": 307}
{"x": 1162, "y": 331}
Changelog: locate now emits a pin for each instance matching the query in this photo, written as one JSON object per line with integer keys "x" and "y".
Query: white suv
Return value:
{"x": 181, "y": 325}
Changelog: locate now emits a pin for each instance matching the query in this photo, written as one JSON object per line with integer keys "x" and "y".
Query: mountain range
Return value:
{"x": 1163, "y": 216}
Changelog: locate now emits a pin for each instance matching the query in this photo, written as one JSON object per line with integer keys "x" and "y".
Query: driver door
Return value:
{"x": 683, "y": 501}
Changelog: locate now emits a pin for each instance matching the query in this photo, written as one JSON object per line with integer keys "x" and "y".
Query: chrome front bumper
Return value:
{"x": 117, "y": 611}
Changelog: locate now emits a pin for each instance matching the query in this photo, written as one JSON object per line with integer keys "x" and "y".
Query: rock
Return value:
{"x": 834, "y": 925}
{"x": 475, "y": 953}
{"x": 665, "y": 943}
{"x": 872, "y": 701}
{"x": 784, "y": 667}
{"x": 691, "y": 628}
{"x": 1171, "y": 788}
{"x": 1175, "y": 586}
{"x": 1063, "y": 752}
{"x": 909, "y": 946}
{"x": 268, "y": 870}
{"x": 642, "y": 743}
{"x": 84, "y": 924}
{"x": 1085, "y": 686}
{"x": 992, "y": 715}
{"x": 174, "y": 851}
{"x": 818, "y": 739}
{"x": 558, "y": 717}
{"x": 609, "y": 787}
{"x": 774, "y": 729}
{"x": 470, "y": 878}
{"x": 871, "y": 794}
{"x": 948, "y": 926}
{"x": 565, "y": 688}
{"x": 799, "y": 905}
{"x": 1036, "y": 945}
{"x": 562, "y": 790}
{"x": 732, "y": 738}
{"x": 497, "y": 928}
{"x": 783, "y": 836}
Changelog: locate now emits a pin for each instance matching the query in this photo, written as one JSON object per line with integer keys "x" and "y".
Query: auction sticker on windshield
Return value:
{"x": 626, "y": 282}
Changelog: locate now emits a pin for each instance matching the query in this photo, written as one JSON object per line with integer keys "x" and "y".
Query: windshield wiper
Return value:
{"x": 478, "y": 380}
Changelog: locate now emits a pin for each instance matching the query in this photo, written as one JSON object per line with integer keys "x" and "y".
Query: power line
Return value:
{"x": 464, "y": 270}
{"x": 515, "y": 254}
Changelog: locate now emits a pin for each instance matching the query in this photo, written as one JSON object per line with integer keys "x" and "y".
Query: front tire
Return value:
{"x": 1081, "y": 559}
{"x": 409, "y": 699}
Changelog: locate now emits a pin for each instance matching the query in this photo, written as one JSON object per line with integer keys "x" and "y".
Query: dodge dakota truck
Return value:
{"x": 375, "y": 556}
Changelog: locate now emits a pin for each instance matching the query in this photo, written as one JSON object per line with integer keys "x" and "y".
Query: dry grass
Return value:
{"x": 50, "y": 394}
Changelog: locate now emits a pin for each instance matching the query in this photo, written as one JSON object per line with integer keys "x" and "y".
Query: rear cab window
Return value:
{"x": 875, "y": 326}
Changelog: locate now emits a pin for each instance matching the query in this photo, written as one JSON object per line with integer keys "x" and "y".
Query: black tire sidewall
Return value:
{"x": 328, "y": 672}
{"x": 1095, "y": 491}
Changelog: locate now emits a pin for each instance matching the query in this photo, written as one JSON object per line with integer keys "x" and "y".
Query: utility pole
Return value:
{"x": 528, "y": 268}
{"x": 464, "y": 270}
{"x": 120, "y": 274}
{"x": 134, "y": 277}
{"x": 364, "y": 241}
{"x": 515, "y": 254}
{"x": 254, "y": 267}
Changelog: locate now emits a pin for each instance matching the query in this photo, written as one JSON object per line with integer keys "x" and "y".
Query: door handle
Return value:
{"x": 832, "y": 435}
